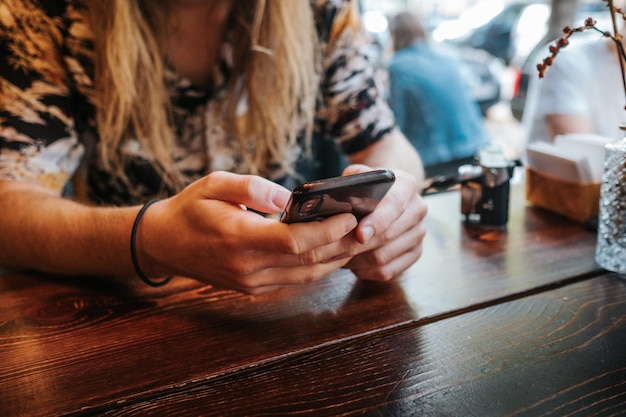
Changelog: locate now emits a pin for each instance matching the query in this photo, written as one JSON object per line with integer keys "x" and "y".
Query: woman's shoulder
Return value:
{"x": 330, "y": 7}
{"x": 51, "y": 8}
{"x": 46, "y": 16}
{"x": 332, "y": 16}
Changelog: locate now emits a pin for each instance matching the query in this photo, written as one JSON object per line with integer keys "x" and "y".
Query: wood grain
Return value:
{"x": 559, "y": 352}
{"x": 72, "y": 344}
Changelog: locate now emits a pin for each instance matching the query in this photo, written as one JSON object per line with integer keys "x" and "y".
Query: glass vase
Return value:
{"x": 611, "y": 246}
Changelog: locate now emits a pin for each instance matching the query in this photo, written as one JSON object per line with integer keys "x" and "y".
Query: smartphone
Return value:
{"x": 358, "y": 194}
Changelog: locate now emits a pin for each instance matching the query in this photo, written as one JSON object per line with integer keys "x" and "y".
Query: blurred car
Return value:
{"x": 502, "y": 30}
{"x": 509, "y": 32}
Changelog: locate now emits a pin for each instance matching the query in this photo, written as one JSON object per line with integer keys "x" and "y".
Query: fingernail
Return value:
{"x": 366, "y": 233}
{"x": 350, "y": 223}
{"x": 280, "y": 196}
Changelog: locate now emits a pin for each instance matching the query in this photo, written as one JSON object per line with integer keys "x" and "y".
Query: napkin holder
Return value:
{"x": 573, "y": 200}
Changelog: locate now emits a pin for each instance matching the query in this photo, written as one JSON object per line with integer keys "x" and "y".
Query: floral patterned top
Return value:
{"x": 47, "y": 123}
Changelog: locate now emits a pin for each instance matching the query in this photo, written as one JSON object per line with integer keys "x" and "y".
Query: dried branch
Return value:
{"x": 590, "y": 24}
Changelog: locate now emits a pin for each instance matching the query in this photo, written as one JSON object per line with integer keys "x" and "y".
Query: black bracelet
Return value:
{"x": 133, "y": 251}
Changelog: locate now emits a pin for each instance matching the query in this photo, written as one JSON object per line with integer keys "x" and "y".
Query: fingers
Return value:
{"x": 402, "y": 203}
{"x": 393, "y": 206}
{"x": 219, "y": 243}
{"x": 277, "y": 245}
{"x": 388, "y": 261}
{"x": 265, "y": 196}
{"x": 389, "y": 271}
{"x": 252, "y": 191}
{"x": 356, "y": 169}
{"x": 392, "y": 235}
{"x": 274, "y": 278}
{"x": 299, "y": 239}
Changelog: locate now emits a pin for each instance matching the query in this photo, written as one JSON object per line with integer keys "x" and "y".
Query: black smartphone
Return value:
{"x": 358, "y": 194}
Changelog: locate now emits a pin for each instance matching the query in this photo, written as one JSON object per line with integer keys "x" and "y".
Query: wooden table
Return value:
{"x": 520, "y": 322}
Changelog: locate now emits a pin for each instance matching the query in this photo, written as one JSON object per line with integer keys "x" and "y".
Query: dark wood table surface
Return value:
{"x": 489, "y": 323}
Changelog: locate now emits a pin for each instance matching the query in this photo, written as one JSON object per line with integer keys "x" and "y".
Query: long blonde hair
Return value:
{"x": 275, "y": 54}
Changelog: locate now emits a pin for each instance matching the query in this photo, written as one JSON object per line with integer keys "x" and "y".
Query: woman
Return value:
{"x": 205, "y": 105}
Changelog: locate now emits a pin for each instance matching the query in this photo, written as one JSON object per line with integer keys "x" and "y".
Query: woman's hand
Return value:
{"x": 390, "y": 237}
{"x": 205, "y": 233}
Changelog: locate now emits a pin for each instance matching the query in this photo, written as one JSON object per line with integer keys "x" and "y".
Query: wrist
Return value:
{"x": 143, "y": 268}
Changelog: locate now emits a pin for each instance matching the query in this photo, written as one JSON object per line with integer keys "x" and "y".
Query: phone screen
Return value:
{"x": 358, "y": 194}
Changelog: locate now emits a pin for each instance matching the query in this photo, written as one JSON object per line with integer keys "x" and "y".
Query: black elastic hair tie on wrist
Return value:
{"x": 133, "y": 250}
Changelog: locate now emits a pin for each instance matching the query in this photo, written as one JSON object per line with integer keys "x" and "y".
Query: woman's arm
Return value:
{"x": 392, "y": 235}
{"x": 561, "y": 124}
{"x": 392, "y": 151}
{"x": 203, "y": 233}
{"x": 42, "y": 231}
{"x": 355, "y": 112}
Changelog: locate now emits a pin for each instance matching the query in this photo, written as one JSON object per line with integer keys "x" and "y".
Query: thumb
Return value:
{"x": 356, "y": 169}
{"x": 252, "y": 191}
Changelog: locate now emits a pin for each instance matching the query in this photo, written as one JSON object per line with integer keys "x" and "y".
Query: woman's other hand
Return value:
{"x": 391, "y": 236}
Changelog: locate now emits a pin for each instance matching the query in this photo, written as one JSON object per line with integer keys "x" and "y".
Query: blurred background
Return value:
{"x": 499, "y": 43}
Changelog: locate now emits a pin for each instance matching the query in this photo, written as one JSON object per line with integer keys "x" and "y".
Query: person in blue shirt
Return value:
{"x": 430, "y": 99}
